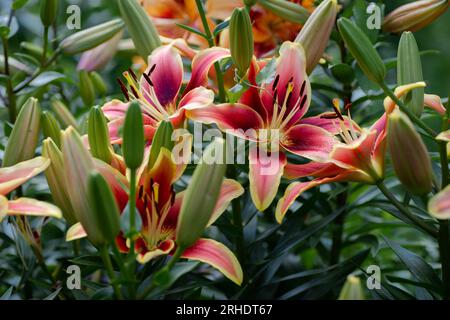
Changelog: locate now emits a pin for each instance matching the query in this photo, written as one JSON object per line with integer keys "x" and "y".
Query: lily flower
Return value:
{"x": 158, "y": 90}
{"x": 14, "y": 176}
{"x": 276, "y": 108}
{"x": 159, "y": 205}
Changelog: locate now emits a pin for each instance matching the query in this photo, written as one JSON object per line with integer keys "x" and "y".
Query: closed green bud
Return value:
{"x": 99, "y": 84}
{"x": 51, "y": 128}
{"x": 63, "y": 114}
{"x": 56, "y": 180}
{"x": 104, "y": 209}
{"x": 133, "y": 137}
{"x": 287, "y": 10}
{"x": 316, "y": 32}
{"x": 34, "y": 50}
{"x": 409, "y": 155}
{"x": 87, "y": 91}
{"x": 141, "y": 29}
{"x": 241, "y": 39}
{"x": 202, "y": 194}
{"x": 352, "y": 289}
{"x": 161, "y": 139}
{"x": 91, "y": 37}
{"x": 362, "y": 50}
{"x": 409, "y": 70}
{"x": 24, "y": 137}
{"x": 98, "y": 135}
{"x": 49, "y": 9}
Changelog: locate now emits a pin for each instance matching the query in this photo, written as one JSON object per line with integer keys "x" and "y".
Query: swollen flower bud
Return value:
{"x": 161, "y": 139}
{"x": 142, "y": 31}
{"x": 49, "y": 9}
{"x": 105, "y": 213}
{"x": 91, "y": 37}
{"x": 316, "y": 32}
{"x": 56, "y": 180}
{"x": 409, "y": 70}
{"x": 287, "y": 10}
{"x": 202, "y": 194}
{"x": 362, "y": 50}
{"x": 63, "y": 114}
{"x": 99, "y": 84}
{"x": 98, "y": 135}
{"x": 51, "y": 128}
{"x": 86, "y": 87}
{"x": 99, "y": 56}
{"x": 409, "y": 155}
{"x": 24, "y": 137}
{"x": 414, "y": 16}
{"x": 133, "y": 137}
{"x": 352, "y": 289}
{"x": 241, "y": 39}
{"x": 439, "y": 205}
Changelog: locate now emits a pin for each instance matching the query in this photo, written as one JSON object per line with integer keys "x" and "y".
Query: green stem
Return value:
{"x": 9, "y": 86}
{"x": 209, "y": 36}
{"x": 402, "y": 107}
{"x": 123, "y": 269}
{"x": 44, "y": 46}
{"x": 109, "y": 269}
{"x": 444, "y": 251}
{"x": 176, "y": 256}
{"x": 132, "y": 208}
{"x": 404, "y": 210}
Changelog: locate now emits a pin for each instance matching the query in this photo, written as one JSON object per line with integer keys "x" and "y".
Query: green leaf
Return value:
{"x": 46, "y": 78}
{"x": 7, "y": 294}
{"x": 220, "y": 27}
{"x": 18, "y": 4}
{"x": 421, "y": 270}
{"x": 53, "y": 295}
{"x": 190, "y": 29}
{"x": 343, "y": 73}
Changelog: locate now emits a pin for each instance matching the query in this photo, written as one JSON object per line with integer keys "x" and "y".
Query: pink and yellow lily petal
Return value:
{"x": 272, "y": 117}
{"x": 159, "y": 207}
{"x": 14, "y": 176}
{"x": 158, "y": 91}
{"x": 439, "y": 205}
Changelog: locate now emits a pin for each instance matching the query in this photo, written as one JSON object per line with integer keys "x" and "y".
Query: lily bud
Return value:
{"x": 63, "y": 114}
{"x": 315, "y": 34}
{"x": 51, "y": 128}
{"x": 104, "y": 209}
{"x": 409, "y": 155}
{"x": 98, "y": 135}
{"x": 87, "y": 91}
{"x": 287, "y": 10}
{"x": 414, "y": 16}
{"x": 49, "y": 9}
{"x": 98, "y": 57}
{"x": 439, "y": 205}
{"x": 133, "y": 137}
{"x": 161, "y": 139}
{"x": 142, "y": 31}
{"x": 241, "y": 39}
{"x": 78, "y": 164}
{"x": 202, "y": 194}
{"x": 409, "y": 70}
{"x": 362, "y": 50}
{"x": 56, "y": 180}
{"x": 352, "y": 289}
{"x": 24, "y": 137}
{"x": 91, "y": 37}
{"x": 99, "y": 84}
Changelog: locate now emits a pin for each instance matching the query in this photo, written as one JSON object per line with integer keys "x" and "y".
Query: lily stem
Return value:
{"x": 44, "y": 47}
{"x": 404, "y": 210}
{"x": 403, "y": 108}
{"x": 109, "y": 269}
{"x": 132, "y": 208}
{"x": 211, "y": 44}
{"x": 9, "y": 86}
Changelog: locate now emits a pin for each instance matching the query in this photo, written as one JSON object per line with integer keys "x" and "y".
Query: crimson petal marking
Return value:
{"x": 264, "y": 175}
{"x": 14, "y": 176}
{"x": 201, "y": 64}
{"x": 311, "y": 169}
{"x": 218, "y": 256}
{"x": 309, "y": 141}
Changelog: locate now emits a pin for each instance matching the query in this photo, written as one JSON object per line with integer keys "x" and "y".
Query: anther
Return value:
{"x": 123, "y": 88}
{"x": 152, "y": 69}
{"x": 277, "y": 78}
{"x": 134, "y": 92}
{"x": 147, "y": 78}
{"x": 302, "y": 90}
{"x": 132, "y": 74}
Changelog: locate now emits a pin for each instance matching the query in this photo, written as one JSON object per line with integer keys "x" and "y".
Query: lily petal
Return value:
{"x": 115, "y": 109}
{"x": 3, "y": 207}
{"x": 264, "y": 175}
{"x": 14, "y": 176}
{"x": 439, "y": 205}
{"x": 434, "y": 102}
{"x": 166, "y": 76}
{"x": 332, "y": 125}
{"x": 201, "y": 64}
{"x": 76, "y": 232}
{"x": 309, "y": 141}
{"x": 231, "y": 189}
{"x": 117, "y": 181}
{"x": 32, "y": 207}
{"x": 164, "y": 248}
{"x": 218, "y": 256}
{"x": 400, "y": 91}
{"x": 444, "y": 136}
